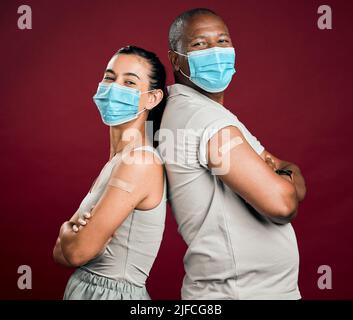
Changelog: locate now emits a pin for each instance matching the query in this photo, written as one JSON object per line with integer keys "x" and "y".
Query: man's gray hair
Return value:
{"x": 177, "y": 28}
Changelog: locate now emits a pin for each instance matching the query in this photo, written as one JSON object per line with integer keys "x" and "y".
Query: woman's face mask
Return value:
{"x": 117, "y": 104}
{"x": 211, "y": 69}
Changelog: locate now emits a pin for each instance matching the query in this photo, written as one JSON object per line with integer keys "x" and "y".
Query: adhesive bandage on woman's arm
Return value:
{"x": 121, "y": 184}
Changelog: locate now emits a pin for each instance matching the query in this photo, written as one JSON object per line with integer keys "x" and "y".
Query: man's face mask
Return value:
{"x": 211, "y": 69}
{"x": 117, "y": 104}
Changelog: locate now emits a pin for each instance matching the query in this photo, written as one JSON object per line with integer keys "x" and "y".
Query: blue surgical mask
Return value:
{"x": 211, "y": 69}
{"x": 117, "y": 104}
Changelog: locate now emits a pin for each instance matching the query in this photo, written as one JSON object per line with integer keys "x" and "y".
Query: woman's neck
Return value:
{"x": 127, "y": 136}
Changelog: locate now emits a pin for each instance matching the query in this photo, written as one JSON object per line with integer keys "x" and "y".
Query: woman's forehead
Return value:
{"x": 125, "y": 63}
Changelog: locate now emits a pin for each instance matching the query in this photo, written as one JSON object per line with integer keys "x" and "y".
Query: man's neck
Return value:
{"x": 217, "y": 96}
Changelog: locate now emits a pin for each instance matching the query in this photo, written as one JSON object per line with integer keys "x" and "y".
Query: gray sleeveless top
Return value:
{"x": 135, "y": 244}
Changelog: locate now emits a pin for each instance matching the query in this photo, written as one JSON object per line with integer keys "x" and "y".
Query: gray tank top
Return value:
{"x": 135, "y": 244}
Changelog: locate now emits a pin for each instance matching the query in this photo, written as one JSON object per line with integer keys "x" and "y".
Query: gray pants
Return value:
{"x": 84, "y": 285}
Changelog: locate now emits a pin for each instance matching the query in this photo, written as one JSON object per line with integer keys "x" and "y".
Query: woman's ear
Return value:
{"x": 155, "y": 97}
{"x": 174, "y": 60}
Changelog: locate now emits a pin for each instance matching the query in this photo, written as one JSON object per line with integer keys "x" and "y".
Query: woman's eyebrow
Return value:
{"x": 125, "y": 74}
{"x": 132, "y": 74}
{"x": 110, "y": 71}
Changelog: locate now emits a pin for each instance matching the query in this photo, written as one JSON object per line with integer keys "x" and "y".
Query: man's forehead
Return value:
{"x": 205, "y": 26}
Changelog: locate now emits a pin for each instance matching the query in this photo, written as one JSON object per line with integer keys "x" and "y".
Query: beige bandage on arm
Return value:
{"x": 121, "y": 184}
{"x": 230, "y": 145}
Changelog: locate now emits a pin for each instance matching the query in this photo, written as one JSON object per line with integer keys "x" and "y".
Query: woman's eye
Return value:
{"x": 223, "y": 41}
{"x": 108, "y": 78}
{"x": 130, "y": 83}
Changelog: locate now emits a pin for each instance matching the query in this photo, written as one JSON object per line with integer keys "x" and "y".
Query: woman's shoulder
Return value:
{"x": 145, "y": 155}
{"x": 142, "y": 161}
{"x": 142, "y": 169}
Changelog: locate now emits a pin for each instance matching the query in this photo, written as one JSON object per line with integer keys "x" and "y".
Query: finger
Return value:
{"x": 268, "y": 160}
{"x": 87, "y": 215}
{"x": 271, "y": 162}
{"x": 82, "y": 222}
{"x": 74, "y": 228}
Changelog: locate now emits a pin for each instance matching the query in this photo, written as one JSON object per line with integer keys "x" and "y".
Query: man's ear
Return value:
{"x": 155, "y": 97}
{"x": 174, "y": 60}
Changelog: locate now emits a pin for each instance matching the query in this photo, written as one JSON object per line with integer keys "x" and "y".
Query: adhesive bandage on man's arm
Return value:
{"x": 230, "y": 145}
{"x": 221, "y": 158}
{"x": 121, "y": 184}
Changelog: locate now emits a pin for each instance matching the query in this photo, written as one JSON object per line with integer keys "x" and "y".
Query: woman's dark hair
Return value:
{"x": 157, "y": 81}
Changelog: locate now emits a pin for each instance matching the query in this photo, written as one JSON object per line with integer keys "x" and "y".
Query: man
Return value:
{"x": 232, "y": 199}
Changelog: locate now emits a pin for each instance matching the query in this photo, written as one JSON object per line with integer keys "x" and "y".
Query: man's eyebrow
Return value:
{"x": 197, "y": 37}
{"x": 203, "y": 37}
{"x": 132, "y": 74}
{"x": 223, "y": 34}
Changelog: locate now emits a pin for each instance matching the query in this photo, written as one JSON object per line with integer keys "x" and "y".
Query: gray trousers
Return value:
{"x": 84, "y": 285}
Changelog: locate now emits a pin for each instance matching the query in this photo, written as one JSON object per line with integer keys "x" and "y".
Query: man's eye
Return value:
{"x": 197, "y": 44}
{"x": 223, "y": 41}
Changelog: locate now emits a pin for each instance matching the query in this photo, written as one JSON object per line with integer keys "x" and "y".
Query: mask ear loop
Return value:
{"x": 144, "y": 109}
{"x": 181, "y": 71}
{"x": 138, "y": 113}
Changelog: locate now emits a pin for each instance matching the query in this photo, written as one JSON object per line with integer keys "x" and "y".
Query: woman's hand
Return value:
{"x": 81, "y": 222}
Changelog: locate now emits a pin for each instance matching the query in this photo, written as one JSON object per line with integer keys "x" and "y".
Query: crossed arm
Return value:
{"x": 252, "y": 176}
{"x": 297, "y": 178}
{"x": 74, "y": 248}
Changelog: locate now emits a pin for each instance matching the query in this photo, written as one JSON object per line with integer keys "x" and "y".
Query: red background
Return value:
{"x": 293, "y": 89}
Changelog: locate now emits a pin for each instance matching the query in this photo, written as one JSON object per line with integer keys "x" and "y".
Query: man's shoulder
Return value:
{"x": 187, "y": 108}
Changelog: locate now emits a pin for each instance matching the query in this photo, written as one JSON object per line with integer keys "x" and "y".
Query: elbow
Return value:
{"x": 73, "y": 254}
{"x": 74, "y": 259}
{"x": 56, "y": 251}
{"x": 288, "y": 202}
{"x": 286, "y": 206}
{"x": 286, "y": 214}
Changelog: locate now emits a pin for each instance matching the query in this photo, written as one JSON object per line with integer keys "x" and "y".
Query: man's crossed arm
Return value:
{"x": 253, "y": 176}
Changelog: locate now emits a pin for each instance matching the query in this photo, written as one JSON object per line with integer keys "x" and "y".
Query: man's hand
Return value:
{"x": 296, "y": 178}
{"x": 271, "y": 163}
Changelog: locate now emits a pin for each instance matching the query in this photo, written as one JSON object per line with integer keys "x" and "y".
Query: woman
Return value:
{"x": 114, "y": 236}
